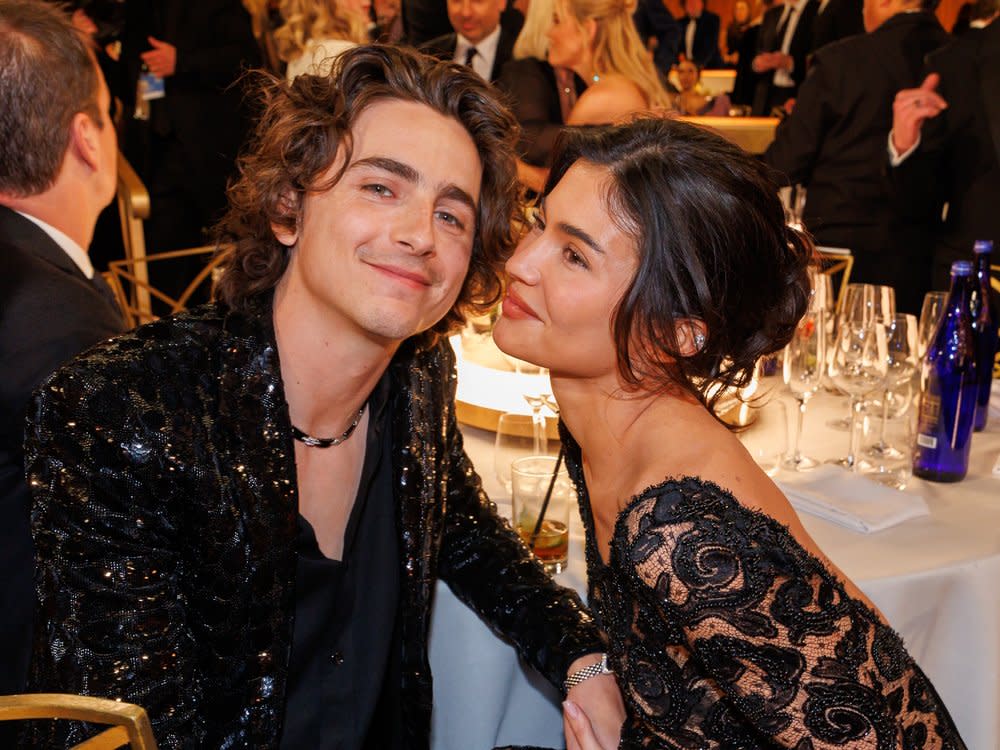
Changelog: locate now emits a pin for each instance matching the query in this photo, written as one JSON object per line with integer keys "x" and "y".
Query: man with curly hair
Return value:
{"x": 240, "y": 512}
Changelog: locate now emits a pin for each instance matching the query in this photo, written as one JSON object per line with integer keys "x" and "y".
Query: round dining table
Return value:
{"x": 936, "y": 578}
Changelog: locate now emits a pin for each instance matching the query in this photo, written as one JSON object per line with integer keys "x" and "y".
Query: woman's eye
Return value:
{"x": 573, "y": 257}
{"x": 535, "y": 219}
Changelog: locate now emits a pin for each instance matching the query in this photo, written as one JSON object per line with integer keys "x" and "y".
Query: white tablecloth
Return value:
{"x": 936, "y": 579}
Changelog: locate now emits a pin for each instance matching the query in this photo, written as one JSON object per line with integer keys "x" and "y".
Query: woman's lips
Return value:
{"x": 515, "y": 307}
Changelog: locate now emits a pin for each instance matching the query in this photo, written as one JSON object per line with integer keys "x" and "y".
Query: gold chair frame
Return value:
{"x": 133, "y": 208}
{"x": 833, "y": 263}
{"x": 130, "y": 724}
{"x": 129, "y": 280}
{"x": 129, "y": 277}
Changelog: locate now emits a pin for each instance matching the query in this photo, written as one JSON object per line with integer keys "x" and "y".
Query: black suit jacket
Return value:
{"x": 50, "y": 313}
{"x": 705, "y": 45}
{"x": 835, "y": 141}
{"x": 443, "y": 48}
{"x": 838, "y": 20}
{"x": 166, "y": 457}
{"x": 533, "y": 96}
{"x": 958, "y": 160}
{"x": 653, "y": 20}
{"x": 769, "y": 40}
{"x": 203, "y": 109}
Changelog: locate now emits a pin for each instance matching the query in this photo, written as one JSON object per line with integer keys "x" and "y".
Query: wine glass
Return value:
{"x": 515, "y": 439}
{"x": 930, "y": 316}
{"x": 852, "y": 306}
{"x": 859, "y": 364}
{"x": 804, "y": 363}
{"x": 900, "y": 335}
{"x": 793, "y": 199}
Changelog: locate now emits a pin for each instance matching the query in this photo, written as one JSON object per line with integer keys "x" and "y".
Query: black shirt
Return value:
{"x": 345, "y": 611}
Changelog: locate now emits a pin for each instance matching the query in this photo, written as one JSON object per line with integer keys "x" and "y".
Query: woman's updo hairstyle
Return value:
{"x": 713, "y": 248}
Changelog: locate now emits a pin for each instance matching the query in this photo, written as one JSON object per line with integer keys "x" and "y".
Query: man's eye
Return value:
{"x": 378, "y": 189}
{"x": 450, "y": 219}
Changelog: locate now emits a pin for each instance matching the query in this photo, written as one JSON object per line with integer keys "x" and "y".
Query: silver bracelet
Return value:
{"x": 582, "y": 675}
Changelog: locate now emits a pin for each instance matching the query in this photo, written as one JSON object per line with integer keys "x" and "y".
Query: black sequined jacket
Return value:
{"x": 164, "y": 516}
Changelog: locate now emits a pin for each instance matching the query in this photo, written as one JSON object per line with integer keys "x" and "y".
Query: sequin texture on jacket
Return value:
{"x": 165, "y": 504}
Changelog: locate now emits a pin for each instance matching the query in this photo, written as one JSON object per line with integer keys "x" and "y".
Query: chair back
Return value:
{"x": 129, "y": 724}
{"x": 133, "y": 208}
{"x": 129, "y": 280}
{"x": 836, "y": 262}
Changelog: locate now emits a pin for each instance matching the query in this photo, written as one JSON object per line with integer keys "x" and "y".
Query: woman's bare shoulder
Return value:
{"x": 612, "y": 98}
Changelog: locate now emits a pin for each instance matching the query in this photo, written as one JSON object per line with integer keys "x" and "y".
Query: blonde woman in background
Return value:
{"x": 540, "y": 96}
{"x": 316, "y": 31}
{"x": 598, "y": 41}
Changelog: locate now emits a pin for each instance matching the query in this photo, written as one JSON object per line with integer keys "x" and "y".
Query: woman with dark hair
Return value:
{"x": 658, "y": 271}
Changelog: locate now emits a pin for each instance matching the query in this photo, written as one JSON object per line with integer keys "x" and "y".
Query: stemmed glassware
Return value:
{"x": 804, "y": 364}
{"x": 875, "y": 303}
{"x": 859, "y": 362}
{"x": 900, "y": 333}
{"x": 930, "y": 315}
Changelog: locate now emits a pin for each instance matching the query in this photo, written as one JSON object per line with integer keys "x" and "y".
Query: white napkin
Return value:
{"x": 850, "y": 500}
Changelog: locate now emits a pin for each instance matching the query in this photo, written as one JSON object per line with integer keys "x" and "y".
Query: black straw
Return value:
{"x": 545, "y": 502}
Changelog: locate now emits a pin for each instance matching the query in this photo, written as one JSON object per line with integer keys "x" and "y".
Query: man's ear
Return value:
{"x": 85, "y": 139}
{"x": 291, "y": 206}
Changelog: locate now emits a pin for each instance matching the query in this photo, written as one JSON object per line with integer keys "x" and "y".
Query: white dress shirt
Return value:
{"x": 76, "y": 253}
{"x": 792, "y": 13}
{"x": 486, "y": 53}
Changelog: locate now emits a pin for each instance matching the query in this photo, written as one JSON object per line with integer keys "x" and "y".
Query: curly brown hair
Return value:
{"x": 300, "y": 131}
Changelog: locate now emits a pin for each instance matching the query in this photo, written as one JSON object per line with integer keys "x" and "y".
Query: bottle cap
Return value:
{"x": 983, "y": 246}
{"x": 961, "y": 268}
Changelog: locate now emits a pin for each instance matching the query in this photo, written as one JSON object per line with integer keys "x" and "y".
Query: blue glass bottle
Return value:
{"x": 985, "y": 320}
{"x": 948, "y": 401}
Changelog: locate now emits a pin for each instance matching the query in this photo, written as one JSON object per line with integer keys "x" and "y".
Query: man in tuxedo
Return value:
{"x": 183, "y": 132}
{"x": 654, "y": 21}
{"x": 58, "y": 153}
{"x": 783, "y": 45}
{"x": 945, "y": 143}
{"x": 834, "y": 143}
{"x": 700, "y": 35}
{"x": 837, "y": 19}
{"x": 483, "y": 36}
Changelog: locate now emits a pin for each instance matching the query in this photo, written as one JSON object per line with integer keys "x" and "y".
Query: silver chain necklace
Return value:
{"x": 316, "y": 442}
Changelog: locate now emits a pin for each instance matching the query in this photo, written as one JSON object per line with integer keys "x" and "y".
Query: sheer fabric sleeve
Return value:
{"x": 783, "y": 650}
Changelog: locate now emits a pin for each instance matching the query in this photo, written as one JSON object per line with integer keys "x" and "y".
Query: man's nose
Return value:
{"x": 414, "y": 229}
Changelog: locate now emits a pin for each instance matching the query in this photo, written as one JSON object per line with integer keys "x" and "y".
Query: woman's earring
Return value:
{"x": 699, "y": 340}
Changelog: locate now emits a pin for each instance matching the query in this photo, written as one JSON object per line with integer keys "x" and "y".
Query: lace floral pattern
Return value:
{"x": 726, "y": 633}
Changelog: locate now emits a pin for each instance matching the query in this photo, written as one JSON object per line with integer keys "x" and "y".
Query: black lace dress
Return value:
{"x": 726, "y": 633}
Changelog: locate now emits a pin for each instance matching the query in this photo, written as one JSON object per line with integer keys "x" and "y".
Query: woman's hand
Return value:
{"x": 600, "y": 704}
{"x": 580, "y": 734}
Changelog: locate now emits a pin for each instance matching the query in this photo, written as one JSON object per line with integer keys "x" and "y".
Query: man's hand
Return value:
{"x": 600, "y": 701}
{"x": 765, "y": 61}
{"x": 162, "y": 59}
{"x": 911, "y": 108}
